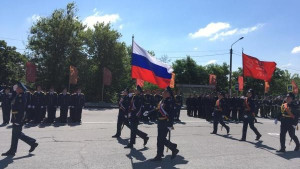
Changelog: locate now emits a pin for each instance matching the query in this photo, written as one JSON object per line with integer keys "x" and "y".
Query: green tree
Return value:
{"x": 12, "y": 64}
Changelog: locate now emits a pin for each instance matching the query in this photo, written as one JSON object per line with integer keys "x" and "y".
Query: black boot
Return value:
{"x": 32, "y": 148}
{"x": 258, "y": 137}
{"x": 228, "y": 130}
{"x": 174, "y": 153}
{"x": 115, "y": 136}
{"x": 281, "y": 150}
{"x": 157, "y": 158}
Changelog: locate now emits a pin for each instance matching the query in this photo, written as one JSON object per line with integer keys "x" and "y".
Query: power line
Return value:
{"x": 13, "y": 39}
{"x": 218, "y": 54}
{"x": 192, "y": 51}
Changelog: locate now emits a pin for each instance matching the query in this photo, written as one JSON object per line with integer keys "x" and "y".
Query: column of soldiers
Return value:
{"x": 41, "y": 106}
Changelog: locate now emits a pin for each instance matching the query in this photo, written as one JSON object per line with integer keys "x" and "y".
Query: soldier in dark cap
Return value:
{"x": 29, "y": 106}
{"x": 135, "y": 112}
{"x": 188, "y": 103}
{"x": 178, "y": 105}
{"x": 51, "y": 102}
{"x": 18, "y": 112}
{"x": 165, "y": 124}
{"x": 6, "y": 98}
{"x": 78, "y": 100}
{"x": 123, "y": 112}
{"x": 219, "y": 112}
{"x": 38, "y": 104}
{"x": 64, "y": 103}
{"x": 249, "y": 116}
{"x": 289, "y": 120}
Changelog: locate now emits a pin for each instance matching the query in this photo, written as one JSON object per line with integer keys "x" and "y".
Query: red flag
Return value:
{"x": 241, "y": 83}
{"x": 73, "y": 75}
{"x": 140, "y": 82}
{"x": 212, "y": 79}
{"x": 107, "y": 76}
{"x": 172, "y": 82}
{"x": 295, "y": 87}
{"x": 30, "y": 72}
{"x": 267, "y": 87}
{"x": 252, "y": 67}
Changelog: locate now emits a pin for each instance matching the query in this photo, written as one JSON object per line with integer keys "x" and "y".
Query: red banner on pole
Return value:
{"x": 73, "y": 78}
{"x": 107, "y": 76}
{"x": 295, "y": 87}
{"x": 30, "y": 72}
{"x": 252, "y": 67}
{"x": 267, "y": 87}
{"x": 172, "y": 83}
{"x": 241, "y": 83}
{"x": 139, "y": 82}
{"x": 212, "y": 79}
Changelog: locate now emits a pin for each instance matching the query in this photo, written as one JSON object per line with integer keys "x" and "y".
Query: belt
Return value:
{"x": 284, "y": 115}
{"x": 162, "y": 118}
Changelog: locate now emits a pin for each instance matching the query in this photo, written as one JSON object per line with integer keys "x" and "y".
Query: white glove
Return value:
{"x": 275, "y": 121}
{"x": 130, "y": 94}
{"x": 33, "y": 106}
{"x": 15, "y": 87}
{"x": 245, "y": 116}
{"x": 29, "y": 106}
{"x": 213, "y": 114}
{"x": 170, "y": 128}
{"x": 129, "y": 115}
{"x": 294, "y": 127}
{"x": 126, "y": 116}
{"x": 42, "y": 106}
{"x": 146, "y": 113}
{"x": 223, "y": 116}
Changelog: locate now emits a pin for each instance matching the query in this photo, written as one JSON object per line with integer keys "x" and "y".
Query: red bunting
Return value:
{"x": 241, "y": 83}
{"x": 107, "y": 76}
{"x": 295, "y": 87}
{"x": 139, "y": 82}
{"x": 73, "y": 78}
{"x": 30, "y": 72}
{"x": 212, "y": 79}
{"x": 252, "y": 67}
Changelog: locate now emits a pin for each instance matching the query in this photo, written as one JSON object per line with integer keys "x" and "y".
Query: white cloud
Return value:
{"x": 195, "y": 48}
{"x": 211, "y": 62}
{"x": 210, "y": 29}
{"x": 91, "y": 20}
{"x": 296, "y": 50}
{"x": 286, "y": 65}
{"x": 33, "y": 18}
{"x": 215, "y": 31}
{"x": 121, "y": 26}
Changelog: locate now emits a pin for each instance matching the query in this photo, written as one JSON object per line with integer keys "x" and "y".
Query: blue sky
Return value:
{"x": 202, "y": 29}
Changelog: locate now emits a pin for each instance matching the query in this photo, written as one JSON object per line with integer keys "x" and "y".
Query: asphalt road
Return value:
{"x": 90, "y": 146}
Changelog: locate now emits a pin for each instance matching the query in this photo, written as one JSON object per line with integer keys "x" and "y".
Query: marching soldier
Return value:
{"x": 64, "y": 103}
{"x": 157, "y": 99}
{"x": 165, "y": 125}
{"x": 6, "y": 98}
{"x": 78, "y": 104}
{"x": 51, "y": 101}
{"x": 249, "y": 116}
{"x": 134, "y": 115}
{"x": 123, "y": 112}
{"x": 38, "y": 104}
{"x": 219, "y": 113}
{"x": 148, "y": 102}
{"x": 289, "y": 120}
{"x": 178, "y": 105}
{"x": 18, "y": 112}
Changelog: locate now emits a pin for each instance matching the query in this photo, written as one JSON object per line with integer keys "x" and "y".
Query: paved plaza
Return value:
{"x": 90, "y": 146}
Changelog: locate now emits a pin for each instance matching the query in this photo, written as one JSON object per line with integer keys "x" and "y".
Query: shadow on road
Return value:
{"x": 166, "y": 163}
{"x": 290, "y": 155}
{"x": 123, "y": 141}
{"x": 10, "y": 159}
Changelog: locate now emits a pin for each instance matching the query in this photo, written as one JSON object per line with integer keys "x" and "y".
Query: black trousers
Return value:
{"x": 51, "y": 113}
{"x": 189, "y": 111}
{"x": 177, "y": 110}
{"x": 135, "y": 131}
{"x": 121, "y": 120}
{"x": 218, "y": 119}
{"x": 286, "y": 126}
{"x": 6, "y": 113}
{"x": 234, "y": 114}
{"x": 77, "y": 114}
{"x": 38, "y": 111}
{"x": 18, "y": 134}
{"x": 30, "y": 115}
{"x": 162, "y": 132}
{"x": 250, "y": 121}
{"x": 63, "y": 114}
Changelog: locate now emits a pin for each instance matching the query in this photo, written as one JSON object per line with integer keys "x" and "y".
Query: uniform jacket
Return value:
{"x": 18, "y": 108}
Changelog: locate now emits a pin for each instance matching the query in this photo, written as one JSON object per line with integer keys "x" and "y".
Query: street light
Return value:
{"x": 230, "y": 81}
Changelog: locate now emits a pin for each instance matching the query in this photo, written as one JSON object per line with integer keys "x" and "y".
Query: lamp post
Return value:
{"x": 230, "y": 81}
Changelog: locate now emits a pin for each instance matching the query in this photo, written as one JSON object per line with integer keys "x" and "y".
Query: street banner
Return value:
{"x": 107, "y": 77}
{"x": 30, "y": 72}
{"x": 73, "y": 78}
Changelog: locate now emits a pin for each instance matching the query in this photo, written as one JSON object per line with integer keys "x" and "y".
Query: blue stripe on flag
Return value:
{"x": 141, "y": 61}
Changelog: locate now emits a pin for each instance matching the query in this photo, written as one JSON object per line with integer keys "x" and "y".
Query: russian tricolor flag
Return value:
{"x": 146, "y": 67}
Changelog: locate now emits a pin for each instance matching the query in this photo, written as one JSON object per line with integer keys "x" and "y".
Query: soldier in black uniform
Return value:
{"x": 147, "y": 106}
{"x": 249, "y": 116}
{"x": 194, "y": 106}
{"x": 78, "y": 103}
{"x": 157, "y": 99}
{"x": 219, "y": 112}
{"x": 29, "y": 117}
{"x": 165, "y": 124}
{"x": 123, "y": 112}
{"x": 178, "y": 105}
{"x": 18, "y": 112}
{"x": 51, "y": 102}
{"x": 234, "y": 108}
{"x": 188, "y": 103}
{"x": 6, "y": 98}
{"x": 289, "y": 120}
{"x": 134, "y": 115}
{"x": 64, "y": 103}
{"x": 38, "y": 104}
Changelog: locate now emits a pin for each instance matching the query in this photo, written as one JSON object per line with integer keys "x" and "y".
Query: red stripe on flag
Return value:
{"x": 149, "y": 76}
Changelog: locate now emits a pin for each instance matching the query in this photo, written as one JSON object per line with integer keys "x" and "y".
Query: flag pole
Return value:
{"x": 102, "y": 83}
{"x": 132, "y": 54}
